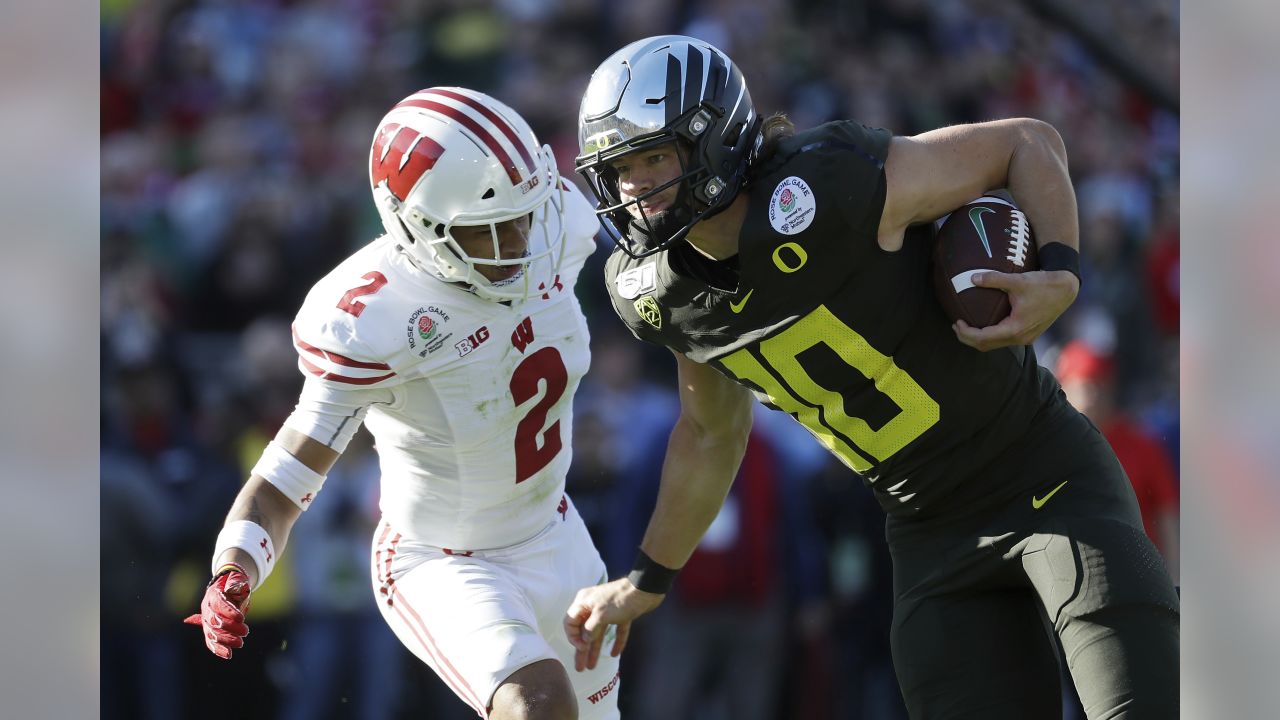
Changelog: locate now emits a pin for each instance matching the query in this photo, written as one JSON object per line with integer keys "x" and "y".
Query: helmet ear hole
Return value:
{"x": 731, "y": 139}
{"x": 487, "y": 194}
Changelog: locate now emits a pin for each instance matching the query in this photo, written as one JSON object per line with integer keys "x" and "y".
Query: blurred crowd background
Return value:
{"x": 234, "y": 141}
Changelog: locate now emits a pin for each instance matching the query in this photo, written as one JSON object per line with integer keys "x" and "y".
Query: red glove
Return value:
{"x": 222, "y": 613}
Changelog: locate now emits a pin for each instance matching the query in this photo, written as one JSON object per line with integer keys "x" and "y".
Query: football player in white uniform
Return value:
{"x": 456, "y": 337}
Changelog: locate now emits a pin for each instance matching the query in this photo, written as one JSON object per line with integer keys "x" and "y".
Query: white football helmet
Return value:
{"x": 449, "y": 156}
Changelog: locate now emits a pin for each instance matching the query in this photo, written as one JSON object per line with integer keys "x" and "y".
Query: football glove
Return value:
{"x": 221, "y": 615}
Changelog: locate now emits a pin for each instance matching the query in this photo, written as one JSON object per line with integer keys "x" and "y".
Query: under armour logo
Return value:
{"x": 306, "y": 498}
{"x": 564, "y": 507}
{"x": 264, "y": 547}
{"x": 555, "y": 284}
{"x": 461, "y": 553}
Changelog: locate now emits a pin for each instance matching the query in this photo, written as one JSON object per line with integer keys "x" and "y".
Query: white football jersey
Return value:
{"x": 470, "y": 401}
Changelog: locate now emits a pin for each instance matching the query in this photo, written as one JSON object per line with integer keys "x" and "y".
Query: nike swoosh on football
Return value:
{"x": 975, "y": 217}
{"x": 1037, "y": 503}
{"x": 737, "y": 307}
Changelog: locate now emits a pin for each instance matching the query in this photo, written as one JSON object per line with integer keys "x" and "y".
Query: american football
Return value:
{"x": 989, "y": 233}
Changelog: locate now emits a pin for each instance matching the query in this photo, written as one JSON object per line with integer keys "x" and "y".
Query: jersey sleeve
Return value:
{"x": 320, "y": 359}
{"x": 348, "y": 348}
{"x": 331, "y": 415}
{"x": 624, "y": 308}
{"x": 858, "y": 154}
{"x": 581, "y": 226}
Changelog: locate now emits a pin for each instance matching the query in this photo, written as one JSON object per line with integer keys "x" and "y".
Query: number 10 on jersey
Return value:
{"x": 822, "y": 411}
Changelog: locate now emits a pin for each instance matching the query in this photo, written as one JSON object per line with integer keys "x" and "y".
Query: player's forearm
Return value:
{"x": 296, "y": 464}
{"x": 1039, "y": 181}
{"x": 261, "y": 503}
{"x": 696, "y": 476}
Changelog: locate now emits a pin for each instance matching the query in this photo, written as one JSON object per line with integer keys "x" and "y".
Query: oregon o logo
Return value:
{"x": 797, "y": 257}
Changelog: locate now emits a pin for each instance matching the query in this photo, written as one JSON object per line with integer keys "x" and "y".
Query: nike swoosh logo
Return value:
{"x": 975, "y": 217}
{"x": 1037, "y": 503}
{"x": 736, "y": 307}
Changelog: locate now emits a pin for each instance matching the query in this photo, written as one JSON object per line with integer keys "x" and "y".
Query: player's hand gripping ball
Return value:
{"x": 984, "y": 234}
{"x": 222, "y": 612}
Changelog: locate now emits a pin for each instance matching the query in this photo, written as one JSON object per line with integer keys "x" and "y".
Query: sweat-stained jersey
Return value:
{"x": 469, "y": 400}
{"x": 830, "y": 328}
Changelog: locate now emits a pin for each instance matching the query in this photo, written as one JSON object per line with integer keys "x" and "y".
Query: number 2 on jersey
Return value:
{"x": 545, "y": 364}
{"x": 349, "y": 302}
{"x": 822, "y": 411}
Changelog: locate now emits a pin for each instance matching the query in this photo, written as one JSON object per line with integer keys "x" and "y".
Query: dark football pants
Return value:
{"x": 980, "y": 599}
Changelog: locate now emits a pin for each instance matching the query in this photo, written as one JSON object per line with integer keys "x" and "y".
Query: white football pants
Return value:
{"x": 475, "y": 617}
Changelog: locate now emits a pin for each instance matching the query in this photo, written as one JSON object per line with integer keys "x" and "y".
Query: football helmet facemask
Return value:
{"x": 668, "y": 88}
{"x": 446, "y": 157}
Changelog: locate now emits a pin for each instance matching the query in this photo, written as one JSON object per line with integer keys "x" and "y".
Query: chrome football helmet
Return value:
{"x": 446, "y": 157}
{"x": 659, "y": 90}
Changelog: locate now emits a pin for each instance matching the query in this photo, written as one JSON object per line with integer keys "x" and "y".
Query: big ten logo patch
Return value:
{"x": 472, "y": 341}
{"x": 529, "y": 184}
{"x": 522, "y": 336}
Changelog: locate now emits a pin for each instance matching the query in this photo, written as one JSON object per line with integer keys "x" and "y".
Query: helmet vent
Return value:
{"x": 487, "y": 194}
{"x": 404, "y": 227}
{"x": 732, "y": 138}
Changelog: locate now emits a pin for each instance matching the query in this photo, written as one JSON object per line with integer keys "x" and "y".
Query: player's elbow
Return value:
{"x": 724, "y": 431}
{"x": 740, "y": 429}
{"x": 1040, "y": 136}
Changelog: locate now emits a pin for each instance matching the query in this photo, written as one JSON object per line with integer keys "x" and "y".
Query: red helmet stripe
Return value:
{"x": 492, "y": 116}
{"x": 485, "y": 136}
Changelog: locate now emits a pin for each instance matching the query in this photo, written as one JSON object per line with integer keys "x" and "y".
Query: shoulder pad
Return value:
{"x": 626, "y": 281}
{"x": 335, "y": 331}
{"x": 581, "y": 223}
{"x": 363, "y": 322}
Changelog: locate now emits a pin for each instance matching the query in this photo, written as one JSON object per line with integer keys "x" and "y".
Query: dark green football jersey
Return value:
{"x": 845, "y": 337}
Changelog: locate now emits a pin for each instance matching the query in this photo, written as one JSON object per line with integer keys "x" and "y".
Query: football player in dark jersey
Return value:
{"x": 793, "y": 266}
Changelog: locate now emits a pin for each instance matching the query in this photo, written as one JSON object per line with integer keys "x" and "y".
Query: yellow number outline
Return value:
{"x": 820, "y": 410}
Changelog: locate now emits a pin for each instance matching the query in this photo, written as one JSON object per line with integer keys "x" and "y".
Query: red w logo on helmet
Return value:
{"x": 389, "y": 163}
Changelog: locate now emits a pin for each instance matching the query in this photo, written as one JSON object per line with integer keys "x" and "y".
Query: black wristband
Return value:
{"x": 1057, "y": 256}
{"x": 651, "y": 577}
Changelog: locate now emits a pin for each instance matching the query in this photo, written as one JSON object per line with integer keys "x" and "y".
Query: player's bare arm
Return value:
{"x": 703, "y": 455}
{"x": 262, "y": 506}
{"x": 261, "y": 502}
{"x": 929, "y": 175}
